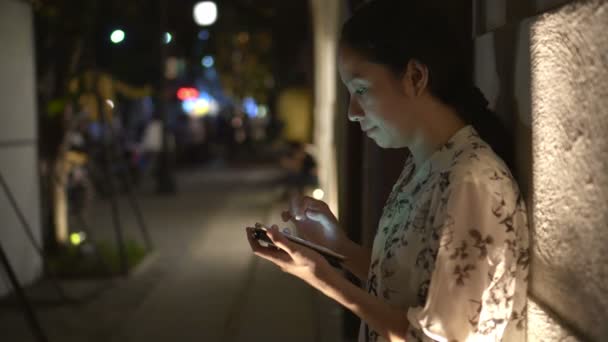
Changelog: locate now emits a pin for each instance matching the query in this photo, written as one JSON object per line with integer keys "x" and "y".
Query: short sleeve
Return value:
{"x": 471, "y": 294}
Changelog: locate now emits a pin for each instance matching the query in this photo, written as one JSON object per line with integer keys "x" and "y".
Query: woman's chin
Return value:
{"x": 380, "y": 142}
{"x": 383, "y": 143}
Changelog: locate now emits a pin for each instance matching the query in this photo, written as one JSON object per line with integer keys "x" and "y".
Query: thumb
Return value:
{"x": 316, "y": 216}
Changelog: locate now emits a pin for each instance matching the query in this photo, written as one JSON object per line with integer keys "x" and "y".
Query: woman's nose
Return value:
{"x": 355, "y": 112}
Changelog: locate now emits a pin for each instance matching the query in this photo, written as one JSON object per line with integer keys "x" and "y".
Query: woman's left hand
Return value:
{"x": 292, "y": 258}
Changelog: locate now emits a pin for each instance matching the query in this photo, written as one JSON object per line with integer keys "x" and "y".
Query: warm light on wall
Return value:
{"x": 569, "y": 92}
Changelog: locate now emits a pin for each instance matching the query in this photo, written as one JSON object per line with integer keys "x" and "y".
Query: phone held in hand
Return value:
{"x": 335, "y": 259}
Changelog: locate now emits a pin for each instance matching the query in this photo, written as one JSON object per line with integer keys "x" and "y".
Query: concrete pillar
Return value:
{"x": 18, "y": 146}
{"x": 326, "y": 16}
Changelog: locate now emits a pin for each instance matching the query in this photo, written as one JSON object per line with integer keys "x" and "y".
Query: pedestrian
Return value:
{"x": 450, "y": 257}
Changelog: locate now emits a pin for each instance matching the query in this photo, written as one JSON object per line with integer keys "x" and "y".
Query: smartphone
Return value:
{"x": 259, "y": 233}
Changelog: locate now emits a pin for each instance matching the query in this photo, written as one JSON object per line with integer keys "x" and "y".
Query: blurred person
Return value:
{"x": 450, "y": 257}
{"x": 151, "y": 146}
{"x": 300, "y": 168}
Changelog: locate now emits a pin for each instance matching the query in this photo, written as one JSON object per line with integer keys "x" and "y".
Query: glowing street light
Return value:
{"x": 117, "y": 36}
{"x": 205, "y": 13}
{"x": 207, "y": 61}
{"x": 167, "y": 38}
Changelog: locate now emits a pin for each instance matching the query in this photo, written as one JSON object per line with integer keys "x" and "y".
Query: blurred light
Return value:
{"x": 203, "y": 35}
{"x": 110, "y": 103}
{"x": 205, "y": 13}
{"x": 77, "y": 238}
{"x": 318, "y": 194}
{"x": 117, "y": 36}
{"x": 262, "y": 111}
{"x": 187, "y": 93}
{"x": 204, "y": 104}
{"x": 250, "y": 107}
{"x": 188, "y": 105}
{"x": 201, "y": 107}
{"x": 207, "y": 61}
{"x": 168, "y": 38}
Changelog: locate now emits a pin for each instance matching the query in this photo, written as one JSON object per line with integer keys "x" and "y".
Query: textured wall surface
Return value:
{"x": 569, "y": 75}
{"x": 543, "y": 327}
{"x": 18, "y": 139}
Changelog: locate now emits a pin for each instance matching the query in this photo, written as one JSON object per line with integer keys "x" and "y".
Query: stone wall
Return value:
{"x": 569, "y": 69}
{"x": 547, "y": 76}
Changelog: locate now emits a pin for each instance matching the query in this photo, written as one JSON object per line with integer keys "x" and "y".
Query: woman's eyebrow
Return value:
{"x": 356, "y": 75}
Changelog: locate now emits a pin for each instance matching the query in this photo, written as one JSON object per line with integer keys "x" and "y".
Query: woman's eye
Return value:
{"x": 360, "y": 91}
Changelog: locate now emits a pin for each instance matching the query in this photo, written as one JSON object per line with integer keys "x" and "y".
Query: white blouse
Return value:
{"x": 452, "y": 247}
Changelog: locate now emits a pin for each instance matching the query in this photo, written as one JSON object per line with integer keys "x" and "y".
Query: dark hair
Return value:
{"x": 392, "y": 32}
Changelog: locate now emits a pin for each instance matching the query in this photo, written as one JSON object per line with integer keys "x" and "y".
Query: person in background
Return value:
{"x": 300, "y": 167}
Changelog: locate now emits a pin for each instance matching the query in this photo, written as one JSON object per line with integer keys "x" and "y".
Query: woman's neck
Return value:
{"x": 441, "y": 124}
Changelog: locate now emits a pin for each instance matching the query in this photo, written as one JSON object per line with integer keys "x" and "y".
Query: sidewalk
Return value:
{"x": 202, "y": 283}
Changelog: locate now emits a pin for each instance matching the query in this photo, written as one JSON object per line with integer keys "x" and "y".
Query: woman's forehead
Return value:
{"x": 351, "y": 64}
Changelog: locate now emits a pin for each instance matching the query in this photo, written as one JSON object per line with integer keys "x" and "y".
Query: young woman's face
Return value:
{"x": 380, "y": 101}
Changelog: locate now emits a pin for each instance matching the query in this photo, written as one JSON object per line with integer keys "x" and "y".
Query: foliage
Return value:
{"x": 94, "y": 259}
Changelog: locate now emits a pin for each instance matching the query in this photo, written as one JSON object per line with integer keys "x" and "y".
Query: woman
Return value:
{"x": 449, "y": 260}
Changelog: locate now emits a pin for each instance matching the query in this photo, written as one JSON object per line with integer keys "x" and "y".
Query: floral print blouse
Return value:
{"x": 452, "y": 247}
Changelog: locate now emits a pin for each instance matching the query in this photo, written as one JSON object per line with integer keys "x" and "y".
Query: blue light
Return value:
{"x": 188, "y": 105}
{"x": 203, "y": 35}
{"x": 207, "y": 61}
{"x": 204, "y": 104}
{"x": 250, "y": 107}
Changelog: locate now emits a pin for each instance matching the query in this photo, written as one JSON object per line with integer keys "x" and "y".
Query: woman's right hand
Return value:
{"x": 315, "y": 222}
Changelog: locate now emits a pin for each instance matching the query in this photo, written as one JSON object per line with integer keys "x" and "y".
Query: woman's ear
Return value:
{"x": 416, "y": 78}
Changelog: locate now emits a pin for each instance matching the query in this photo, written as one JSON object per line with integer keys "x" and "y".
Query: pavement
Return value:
{"x": 201, "y": 283}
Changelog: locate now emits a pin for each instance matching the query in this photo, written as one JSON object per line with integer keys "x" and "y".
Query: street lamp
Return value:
{"x": 117, "y": 36}
{"x": 207, "y": 61}
{"x": 205, "y": 13}
{"x": 167, "y": 38}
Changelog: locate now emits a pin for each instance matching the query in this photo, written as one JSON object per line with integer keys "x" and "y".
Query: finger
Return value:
{"x": 276, "y": 256}
{"x": 255, "y": 244}
{"x": 295, "y": 208}
{"x": 271, "y": 253}
{"x": 299, "y": 205}
{"x": 309, "y": 203}
{"x": 316, "y": 215}
{"x": 281, "y": 241}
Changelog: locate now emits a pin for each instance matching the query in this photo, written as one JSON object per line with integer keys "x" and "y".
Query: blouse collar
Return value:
{"x": 444, "y": 157}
